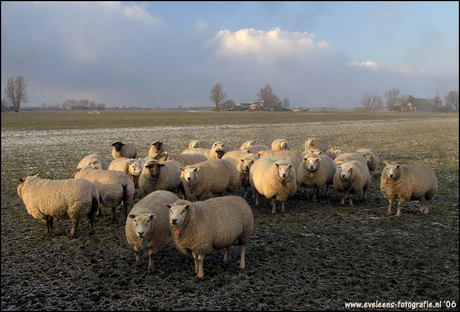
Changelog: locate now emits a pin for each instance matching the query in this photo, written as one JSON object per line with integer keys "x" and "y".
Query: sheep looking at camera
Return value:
{"x": 158, "y": 147}
{"x": 132, "y": 167}
{"x": 408, "y": 182}
{"x": 243, "y": 162}
{"x": 215, "y": 223}
{"x": 318, "y": 143}
{"x": 372, "y": 158}
{"x": 316, "y": 171}
{"x": 280, "y": 145}
{"x": 160, "y": 175}
{"x": 352, "y": 177}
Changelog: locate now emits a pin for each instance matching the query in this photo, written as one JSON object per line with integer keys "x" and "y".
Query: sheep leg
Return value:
{"x": 91, "y": 222}
{"x": 242, "y": 250}
{"x": 227, "y": 254}
{"x": 47, "y": 229}
{"x": 282, "y": 207}
{"x": 113, "y": 214}
{"x": 195, "y": 258}
{"x": 315, "y": 193}
{"x": 398, "y": 214}
{"x": 350, "y": 196}
{"x": 427, "y": 209}
{"x": 151, "y": 252}
{"x": 50, "y": 224}
{"x": 343, "y": 199}
{"x": 257, "y": 198}
{"x": 273, "y": 205}
{"x": 74, "y": 228}
{"x": 200, "y": 266}
{"x": 389, "y": 207}
{"x": 138, "y": 258}
{"x": 421, "y": 206}
{"x": 327, "y": 186}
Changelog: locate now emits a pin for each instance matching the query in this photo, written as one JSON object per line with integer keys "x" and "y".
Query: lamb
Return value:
{"x": 163, "y": 175}
{"x": 125, "y": 149}
{"x": 350, "y": 156}
{"x": 316, "y": 171}
{"x": 372, "y": 158}
{"x": 352, "y": 177}
{"x": 280, "y": 144}
{"x": 215, "y": 223}
{"x": 184, "y": 159}
{"x": 113, "y": 187}
{"x": 158, "y": 147}
{"x": 318, "y": 143}
{"x": 209, "y": 177}
{"x": 132, "y": 167}
{"x": 408, "y": 182}
{"x": 147, "y": 225}
{"x": 71, "y": 198}
{"x": 199, "y": 144}
{"x": 94, "y": 160}
{"x": 243, "y": 162}
{"x": 273, "y": 178}
{"x": 209, "y": 153}
{"x": 272, "y": 153}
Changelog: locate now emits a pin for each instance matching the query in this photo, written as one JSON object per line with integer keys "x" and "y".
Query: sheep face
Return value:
{"x": 345, "y": 171}
{"x": 247, "y": 163}
{"x": 158, "y": 145}
{"x": 178, "y": 214}
{"x": 392, "y": 171}
{"x": 315, "y": 151}
{"x": 312, "y": 163}
{"x": 134, "y": 167}
{"x": 249, "y": 142}
{"x": 96, "y": 164}
{"x": 153, "y": 168}
{"x": 188, "y": 173}
{"x": 310, "y": 142}
{"x": 195, "y": 145}
{"x": 283, "y": 145}
{"x": 143, "y": 224}
{"x": 218, "y": 145}
{"x": 118, "y": 146}
{"x": 284, "y": 170}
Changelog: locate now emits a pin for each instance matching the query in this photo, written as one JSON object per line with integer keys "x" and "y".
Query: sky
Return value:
{"x": 171, "y": 54}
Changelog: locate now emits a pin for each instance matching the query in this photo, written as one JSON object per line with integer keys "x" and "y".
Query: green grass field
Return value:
{"x": 315, "y": 256}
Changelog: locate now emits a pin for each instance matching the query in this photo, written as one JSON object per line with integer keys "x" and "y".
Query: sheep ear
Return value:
{"x": 196, "y": 169}
{"x": 161, "y": 165}
{"x": 132, "y": 216}
{"x": 21, "y": 180}
{"x": 187, "y": 207}
{"x": 397, "y": 166}
{"x": 168, "y": 206}
{"x": 181, "y": 169}
{"x": 152, "y": 216}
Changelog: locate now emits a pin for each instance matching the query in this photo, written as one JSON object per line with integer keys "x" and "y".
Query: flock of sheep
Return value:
{"x": 200, "y": 222}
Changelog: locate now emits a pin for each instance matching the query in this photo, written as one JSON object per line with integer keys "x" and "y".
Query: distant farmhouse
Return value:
{"x": 256, "y": 106}
{"x": 415, "y": 104}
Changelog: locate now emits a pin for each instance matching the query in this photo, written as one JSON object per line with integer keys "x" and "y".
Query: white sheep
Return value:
{"x": 219, "y": 145}
{"x": 132, "y": 167}
{"x": 408, "y": 182}
{"x": 113, "y": 186}
{"x": 158, "y": 147}
{"x": 147, "y": 225}
{"x": 209, "y": 177}
{"x": 209, "y": 153}
{"x": 125, "y": 149}
{"x": 184, "y": 159}
{"x": 47, "y": 200}
{"x": 352, "y": 177}
{"x": 272, "y": 153}
{"x": 372, "y": 158}
{"x": 333, "y": 152}
{"x": 318, "y": 143}
{"x": 243, "y": 162}
{"x": 164, "y": 175}
{"x": 215, "y": 223}
{"x": 350, "y": 156}
{"x": 280, "y": 144}
{"x": 246, "y": 144}
{"x": 199, "y": 144}
{"x": 273, "y": 178}
{"x": 311, "y": 151}
{"x": 254, "y": 149}
{"x": 94, "y": 160}
{"x": 316, "y": 171}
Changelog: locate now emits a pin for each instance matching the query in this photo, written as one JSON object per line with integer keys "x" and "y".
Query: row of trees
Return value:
{"x": 265, "y": 96}
{"x": 396, "y": 102}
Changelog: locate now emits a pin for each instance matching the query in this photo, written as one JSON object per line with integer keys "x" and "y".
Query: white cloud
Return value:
{"x": 136, "y": 12}
{"x": 369, "y": 64}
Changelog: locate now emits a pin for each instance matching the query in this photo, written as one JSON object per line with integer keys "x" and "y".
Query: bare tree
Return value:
{"x": 286, "y": 103}
{"x": 451, "y": 100}
{"x": 15, "y": 92}
{"x": 437, "y": 102}
{"x": 218, "y": 95}
{"x": 371, "y": 102}
{"x": 266, "y": 96}
{"x": 391, "y": 97}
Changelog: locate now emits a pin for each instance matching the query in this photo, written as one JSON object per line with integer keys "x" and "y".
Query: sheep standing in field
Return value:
{"x": 243, "y": 162}
{"x": 352, "y": 177}
{"x": 219, "y": 145}
{"x": 318, "y": 143}
{"x": 184, "y": 159}
{"x": 333, "y": 153}
{"x": 408, "y": 182}
{"x": 47, "y": 200}
{"x": 276, "y": 154}
{"x": 211, "y": 224}
{"x": 125, "y": 149}
{"x": 209, "y": 177}
{"x": 158, "y": 175}
{"x": 132, "y": 167}
{"x": 280, "y": 145}
{"x": 209, "y": 153}
{"x": 273, "y": 178}
{"x": 147, "y": 225}
{"x": 199, "y": 144}
{"x": 94, "y": 160}
{"x": 316, "y": 171}
{"x": 113, "y": 186}
{"x": 372, "y": 158}
{"x": 158, "y": 147}
{"x": 350, "y": 156}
